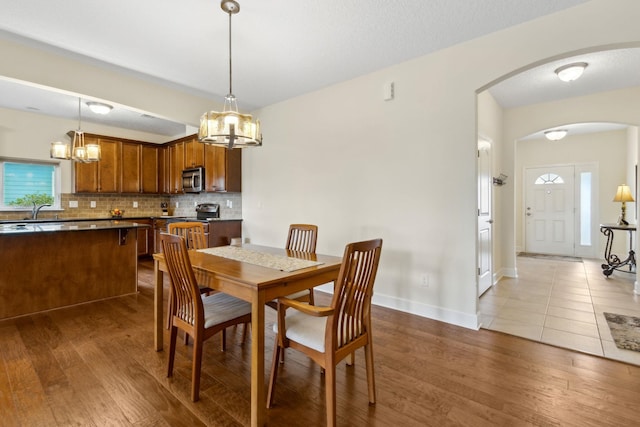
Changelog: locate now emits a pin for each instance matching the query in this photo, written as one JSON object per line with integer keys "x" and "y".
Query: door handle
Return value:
{"x": 490, "y": 221}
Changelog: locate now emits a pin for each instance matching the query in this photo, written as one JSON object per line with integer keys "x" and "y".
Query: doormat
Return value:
{"x": 550, "y": 257}
{"x": 625, "y": 330}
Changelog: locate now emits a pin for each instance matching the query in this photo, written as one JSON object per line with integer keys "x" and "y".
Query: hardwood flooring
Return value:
{"x": 94, "y": 365}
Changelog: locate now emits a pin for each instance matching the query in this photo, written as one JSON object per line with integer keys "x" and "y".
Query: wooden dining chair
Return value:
{"x": 193, "y": 233}
{"x": 302, "y": 239}
{"x": 329, "y": 334}
{"x": 198, "y": 316}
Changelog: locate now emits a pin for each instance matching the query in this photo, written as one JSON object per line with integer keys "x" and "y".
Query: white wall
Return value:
{"x": 360, "y": 167}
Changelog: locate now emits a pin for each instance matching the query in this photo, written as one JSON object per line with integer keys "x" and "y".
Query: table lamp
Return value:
{"x": 623, "y": 195}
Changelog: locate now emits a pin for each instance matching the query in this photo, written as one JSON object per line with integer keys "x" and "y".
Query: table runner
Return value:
{"x": 278, "y": 262}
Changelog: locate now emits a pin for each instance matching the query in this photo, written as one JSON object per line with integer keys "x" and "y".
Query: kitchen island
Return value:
{"x": 47, "y": 265}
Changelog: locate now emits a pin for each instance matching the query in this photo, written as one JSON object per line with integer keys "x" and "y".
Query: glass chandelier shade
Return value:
{"x": 229, "y": 128}
{"x": 79, "y": 150}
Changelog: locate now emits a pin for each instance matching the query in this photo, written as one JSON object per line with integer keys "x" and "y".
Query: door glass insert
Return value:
{"x": 549, "y": 178}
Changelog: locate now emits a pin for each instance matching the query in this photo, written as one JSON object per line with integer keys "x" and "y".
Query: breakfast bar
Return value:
{"x": 49, "y": 265}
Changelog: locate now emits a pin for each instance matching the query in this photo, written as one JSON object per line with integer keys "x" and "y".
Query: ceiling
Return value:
{"x": 281, "y": 49}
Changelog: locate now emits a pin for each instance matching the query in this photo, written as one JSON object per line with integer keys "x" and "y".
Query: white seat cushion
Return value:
{"x": 304, "y": 329}
{"x": 220, "y": 308}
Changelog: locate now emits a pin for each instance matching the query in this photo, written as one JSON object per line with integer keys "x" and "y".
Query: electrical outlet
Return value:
{"x": 177, "y": 204}
{"x": 93, "y": 204}
{"x": 135, "y": 204}
{"x": 73, "y": 203}
{"x": 424, "y": 283}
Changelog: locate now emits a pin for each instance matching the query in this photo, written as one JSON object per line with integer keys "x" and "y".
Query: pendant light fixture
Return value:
{"x": 80, "y": 152}
{"x": 229, "y": 128}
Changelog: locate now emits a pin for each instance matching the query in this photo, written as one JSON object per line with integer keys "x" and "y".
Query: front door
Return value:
{"x": 549, "y": 210}
{"x": 484, "y": 217}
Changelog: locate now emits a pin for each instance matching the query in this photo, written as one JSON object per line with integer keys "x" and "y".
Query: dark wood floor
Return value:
{"x": 95, "y": 365}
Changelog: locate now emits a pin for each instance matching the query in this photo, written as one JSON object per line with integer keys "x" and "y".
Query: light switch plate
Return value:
{"x": 73, "y": 203}
{"x": 93, "y": 203}
{"x": 135, "y": 204}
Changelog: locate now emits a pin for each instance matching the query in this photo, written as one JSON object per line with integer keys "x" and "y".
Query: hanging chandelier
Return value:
{"x": 79, "y": 151}
{"x": 229, "y": 128}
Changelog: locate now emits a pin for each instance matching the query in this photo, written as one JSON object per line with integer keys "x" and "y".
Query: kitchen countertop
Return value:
{"x": 56, "y": 226}
{"x": 126, "y": 218}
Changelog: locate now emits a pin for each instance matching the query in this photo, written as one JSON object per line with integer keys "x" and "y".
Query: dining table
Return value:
{"x": 256, "y": 274}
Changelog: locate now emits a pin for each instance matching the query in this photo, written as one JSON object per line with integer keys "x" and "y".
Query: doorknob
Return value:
{"x": 490, "y": 221}
{"x": 528, "y": 213}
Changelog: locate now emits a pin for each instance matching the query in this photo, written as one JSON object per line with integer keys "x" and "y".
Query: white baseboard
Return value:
{"x": 470, "y": 321}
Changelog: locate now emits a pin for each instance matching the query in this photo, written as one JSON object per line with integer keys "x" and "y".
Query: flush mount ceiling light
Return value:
{"x": 229, "y": 128}
{"x": 99, "y": 107}
{"x": 571, "y": 72}
{"x": 80, "y": 152}
{"x": 556, "y": 134}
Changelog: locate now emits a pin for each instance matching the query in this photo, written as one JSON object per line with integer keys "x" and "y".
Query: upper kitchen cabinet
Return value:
{"x": 193, "y": 152}
{"x": 175, "y": 154}
{"x": 131, "y": 173}
{"x": 223, "y": 169}
{"x": 125, "y": 167}
{"x": 151, "y": 164}
{"x": 102, "y": 176}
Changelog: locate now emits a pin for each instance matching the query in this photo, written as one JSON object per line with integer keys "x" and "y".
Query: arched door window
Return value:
{"x": 549, "y": 178}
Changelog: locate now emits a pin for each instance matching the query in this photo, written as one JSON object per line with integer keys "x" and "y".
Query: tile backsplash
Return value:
{"x": 99, "y": 206}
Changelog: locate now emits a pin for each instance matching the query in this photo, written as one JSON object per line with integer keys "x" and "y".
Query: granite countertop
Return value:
{"x": 126, "y": 218}
{"x": 49, "y": 227}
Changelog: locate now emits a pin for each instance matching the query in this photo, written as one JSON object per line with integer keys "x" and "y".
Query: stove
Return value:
{"x": 207, "y": 211}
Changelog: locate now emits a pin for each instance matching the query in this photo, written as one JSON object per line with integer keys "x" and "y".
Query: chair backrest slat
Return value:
{"x": 192, "y": 231}
{"x": 302, "y": 238}
{"x": 353, "y": 291}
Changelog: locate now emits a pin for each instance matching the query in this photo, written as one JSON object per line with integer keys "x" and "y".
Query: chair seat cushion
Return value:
{"x": 220, "y": 308}
{"x": 304, "y": 329}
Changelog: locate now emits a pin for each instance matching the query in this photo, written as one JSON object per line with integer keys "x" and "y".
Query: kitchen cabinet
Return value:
{"x": 176, "y": 166}
{"x": 130, "y": 167}
{"x": 102, "y": 176}
{"x": 221, "y": 232}
{"x": 149, "y": 168}
{"x": 164, "y": 186}
{"x": 223, "y": 169}
{"x": 193, "y": 152}
{"x": 145, "y": 237}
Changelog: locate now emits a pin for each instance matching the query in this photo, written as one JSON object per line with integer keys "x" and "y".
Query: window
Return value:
{"x": 549, "y": 178}
{"x": 22, "y": 182}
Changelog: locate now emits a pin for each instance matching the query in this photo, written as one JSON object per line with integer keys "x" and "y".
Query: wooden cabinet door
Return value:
{"x": 223, "y": 169}
{"x": 109, "y": 167}
{"x": 221, "y": 233}
{"x": 193, "y": 153}
{"x": 176, "y": 166}
{"x": 86, "y": 174}
{"x": 163, "y": 170}
{"x": 130, "y": 167}
{"x": 149, "y": 169}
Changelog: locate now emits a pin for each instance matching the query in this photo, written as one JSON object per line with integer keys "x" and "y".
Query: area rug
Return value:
{"x": 625, "y": 330}
{"x": 550, "y": 257}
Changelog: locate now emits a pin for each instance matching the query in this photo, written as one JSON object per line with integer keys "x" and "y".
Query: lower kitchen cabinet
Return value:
{"x": 221, "y": 232}
{"x": 145, "y": 237}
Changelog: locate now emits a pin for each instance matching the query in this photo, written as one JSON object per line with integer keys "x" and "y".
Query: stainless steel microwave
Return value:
{"x": 193, "y": 180}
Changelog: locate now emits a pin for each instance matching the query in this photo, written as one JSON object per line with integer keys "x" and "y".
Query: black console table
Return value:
{"x": 613, "y": 261}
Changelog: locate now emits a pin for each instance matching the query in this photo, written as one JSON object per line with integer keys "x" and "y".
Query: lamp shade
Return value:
{"x": 571, "y": 72}
{"x": 623, "y": 194}
{"x": 556, "y": 134}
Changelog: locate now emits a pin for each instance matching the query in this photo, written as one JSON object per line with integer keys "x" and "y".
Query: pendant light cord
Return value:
{"x": 230, "y": 73}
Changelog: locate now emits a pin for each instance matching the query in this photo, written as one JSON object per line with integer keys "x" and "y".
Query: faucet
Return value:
{"x": 36, "y": 209}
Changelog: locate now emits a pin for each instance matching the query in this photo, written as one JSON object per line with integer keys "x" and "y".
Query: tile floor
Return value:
{"x": 561, "y": 303}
